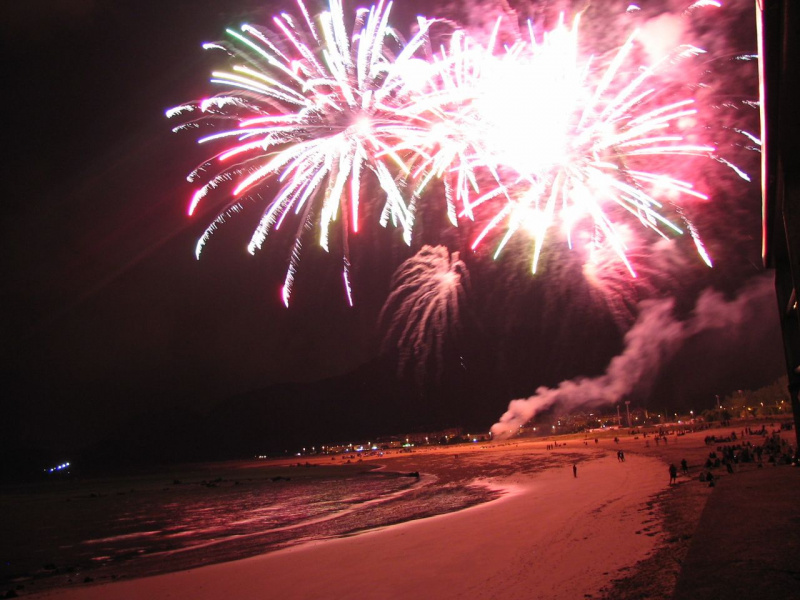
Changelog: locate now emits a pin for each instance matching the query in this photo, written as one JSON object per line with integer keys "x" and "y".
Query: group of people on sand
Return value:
{"x": 774, "y": 450}
{"x": 673, "y": 471}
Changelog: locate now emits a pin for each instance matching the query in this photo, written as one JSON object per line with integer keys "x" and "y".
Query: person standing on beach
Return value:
{"x": 673, "y": 474}
{"x": 575, "y": 470}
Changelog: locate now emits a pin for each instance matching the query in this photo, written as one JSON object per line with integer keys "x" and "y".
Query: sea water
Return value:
{"x": 74, "y": 532}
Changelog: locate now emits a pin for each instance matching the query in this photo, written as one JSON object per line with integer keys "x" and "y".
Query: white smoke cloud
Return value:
{"x": 654, "y": 339}
{"x": 661, "y": 35}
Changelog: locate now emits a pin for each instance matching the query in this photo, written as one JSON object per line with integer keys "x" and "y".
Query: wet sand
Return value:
{"x": 616, "y": 530}
{"x": 551, "y": 535}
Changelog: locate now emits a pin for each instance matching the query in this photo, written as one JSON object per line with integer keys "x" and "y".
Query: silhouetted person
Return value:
{"x": 684, "y": 466}
{"x": 575, "y": 470}
{"x": 673, "y": 474}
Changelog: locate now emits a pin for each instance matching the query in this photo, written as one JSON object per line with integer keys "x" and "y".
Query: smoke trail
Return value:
{"x": 653, "y": 340}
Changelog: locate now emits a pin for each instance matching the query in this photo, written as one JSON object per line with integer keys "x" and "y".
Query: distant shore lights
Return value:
{"x": 61, "y": 467}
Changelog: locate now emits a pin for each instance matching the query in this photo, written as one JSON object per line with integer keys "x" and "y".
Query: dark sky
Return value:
{"x": 107, "y": 314}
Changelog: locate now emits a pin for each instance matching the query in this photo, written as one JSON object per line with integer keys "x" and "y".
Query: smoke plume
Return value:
{"x": 653, "y": 340}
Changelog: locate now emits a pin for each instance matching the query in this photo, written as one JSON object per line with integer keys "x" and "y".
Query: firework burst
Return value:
{"x": 574, "y": 144}
{"x": 428, "y": 290}
{"x": 313, "y": 107}
{"x": 528, "y": 138}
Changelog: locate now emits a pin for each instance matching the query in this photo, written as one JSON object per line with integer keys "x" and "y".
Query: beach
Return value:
{"x": 554, "y": 533}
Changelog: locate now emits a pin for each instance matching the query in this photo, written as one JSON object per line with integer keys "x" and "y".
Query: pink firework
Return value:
{"x": 531, "y": 138}
{"x": 548, "y": 143}
{"x": 427, "y": 291}
{"x": 313, "y": 107}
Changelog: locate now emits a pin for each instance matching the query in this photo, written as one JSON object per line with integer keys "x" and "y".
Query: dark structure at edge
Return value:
{"x": 779, "y": 32}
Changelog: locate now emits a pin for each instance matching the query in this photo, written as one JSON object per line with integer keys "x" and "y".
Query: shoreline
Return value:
{"x": 531, "y": 540}
{"x": 618, "y": 530}
{"x": 156, "y": 544}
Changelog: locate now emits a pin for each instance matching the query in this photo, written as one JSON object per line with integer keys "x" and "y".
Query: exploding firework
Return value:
{"x": 313, "y": 107}
{"x": 568, "y": 144}
{"x": 526, "y": 138}
{"x": 427, "y": 291}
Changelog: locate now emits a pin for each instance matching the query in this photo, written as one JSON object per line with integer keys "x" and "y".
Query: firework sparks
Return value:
{"x": 428, "y": 289}
{"x": 572, "y": 143}
{"x": 313, "y": 108}
{"x": 529, "y": 138}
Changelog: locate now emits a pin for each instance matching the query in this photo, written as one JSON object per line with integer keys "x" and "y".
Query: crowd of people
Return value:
{"x": 733, "y": 450}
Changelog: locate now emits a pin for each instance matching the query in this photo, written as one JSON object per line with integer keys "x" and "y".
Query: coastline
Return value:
{"x": 93, "y": 531}
{"x": 551, "y": 535}
{"x": 617, "y": 531}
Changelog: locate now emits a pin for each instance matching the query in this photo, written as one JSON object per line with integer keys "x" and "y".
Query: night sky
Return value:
{"x": 116, "y": 339}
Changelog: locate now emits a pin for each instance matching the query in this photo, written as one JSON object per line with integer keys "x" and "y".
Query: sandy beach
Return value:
{"x": 551, "y": 535}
